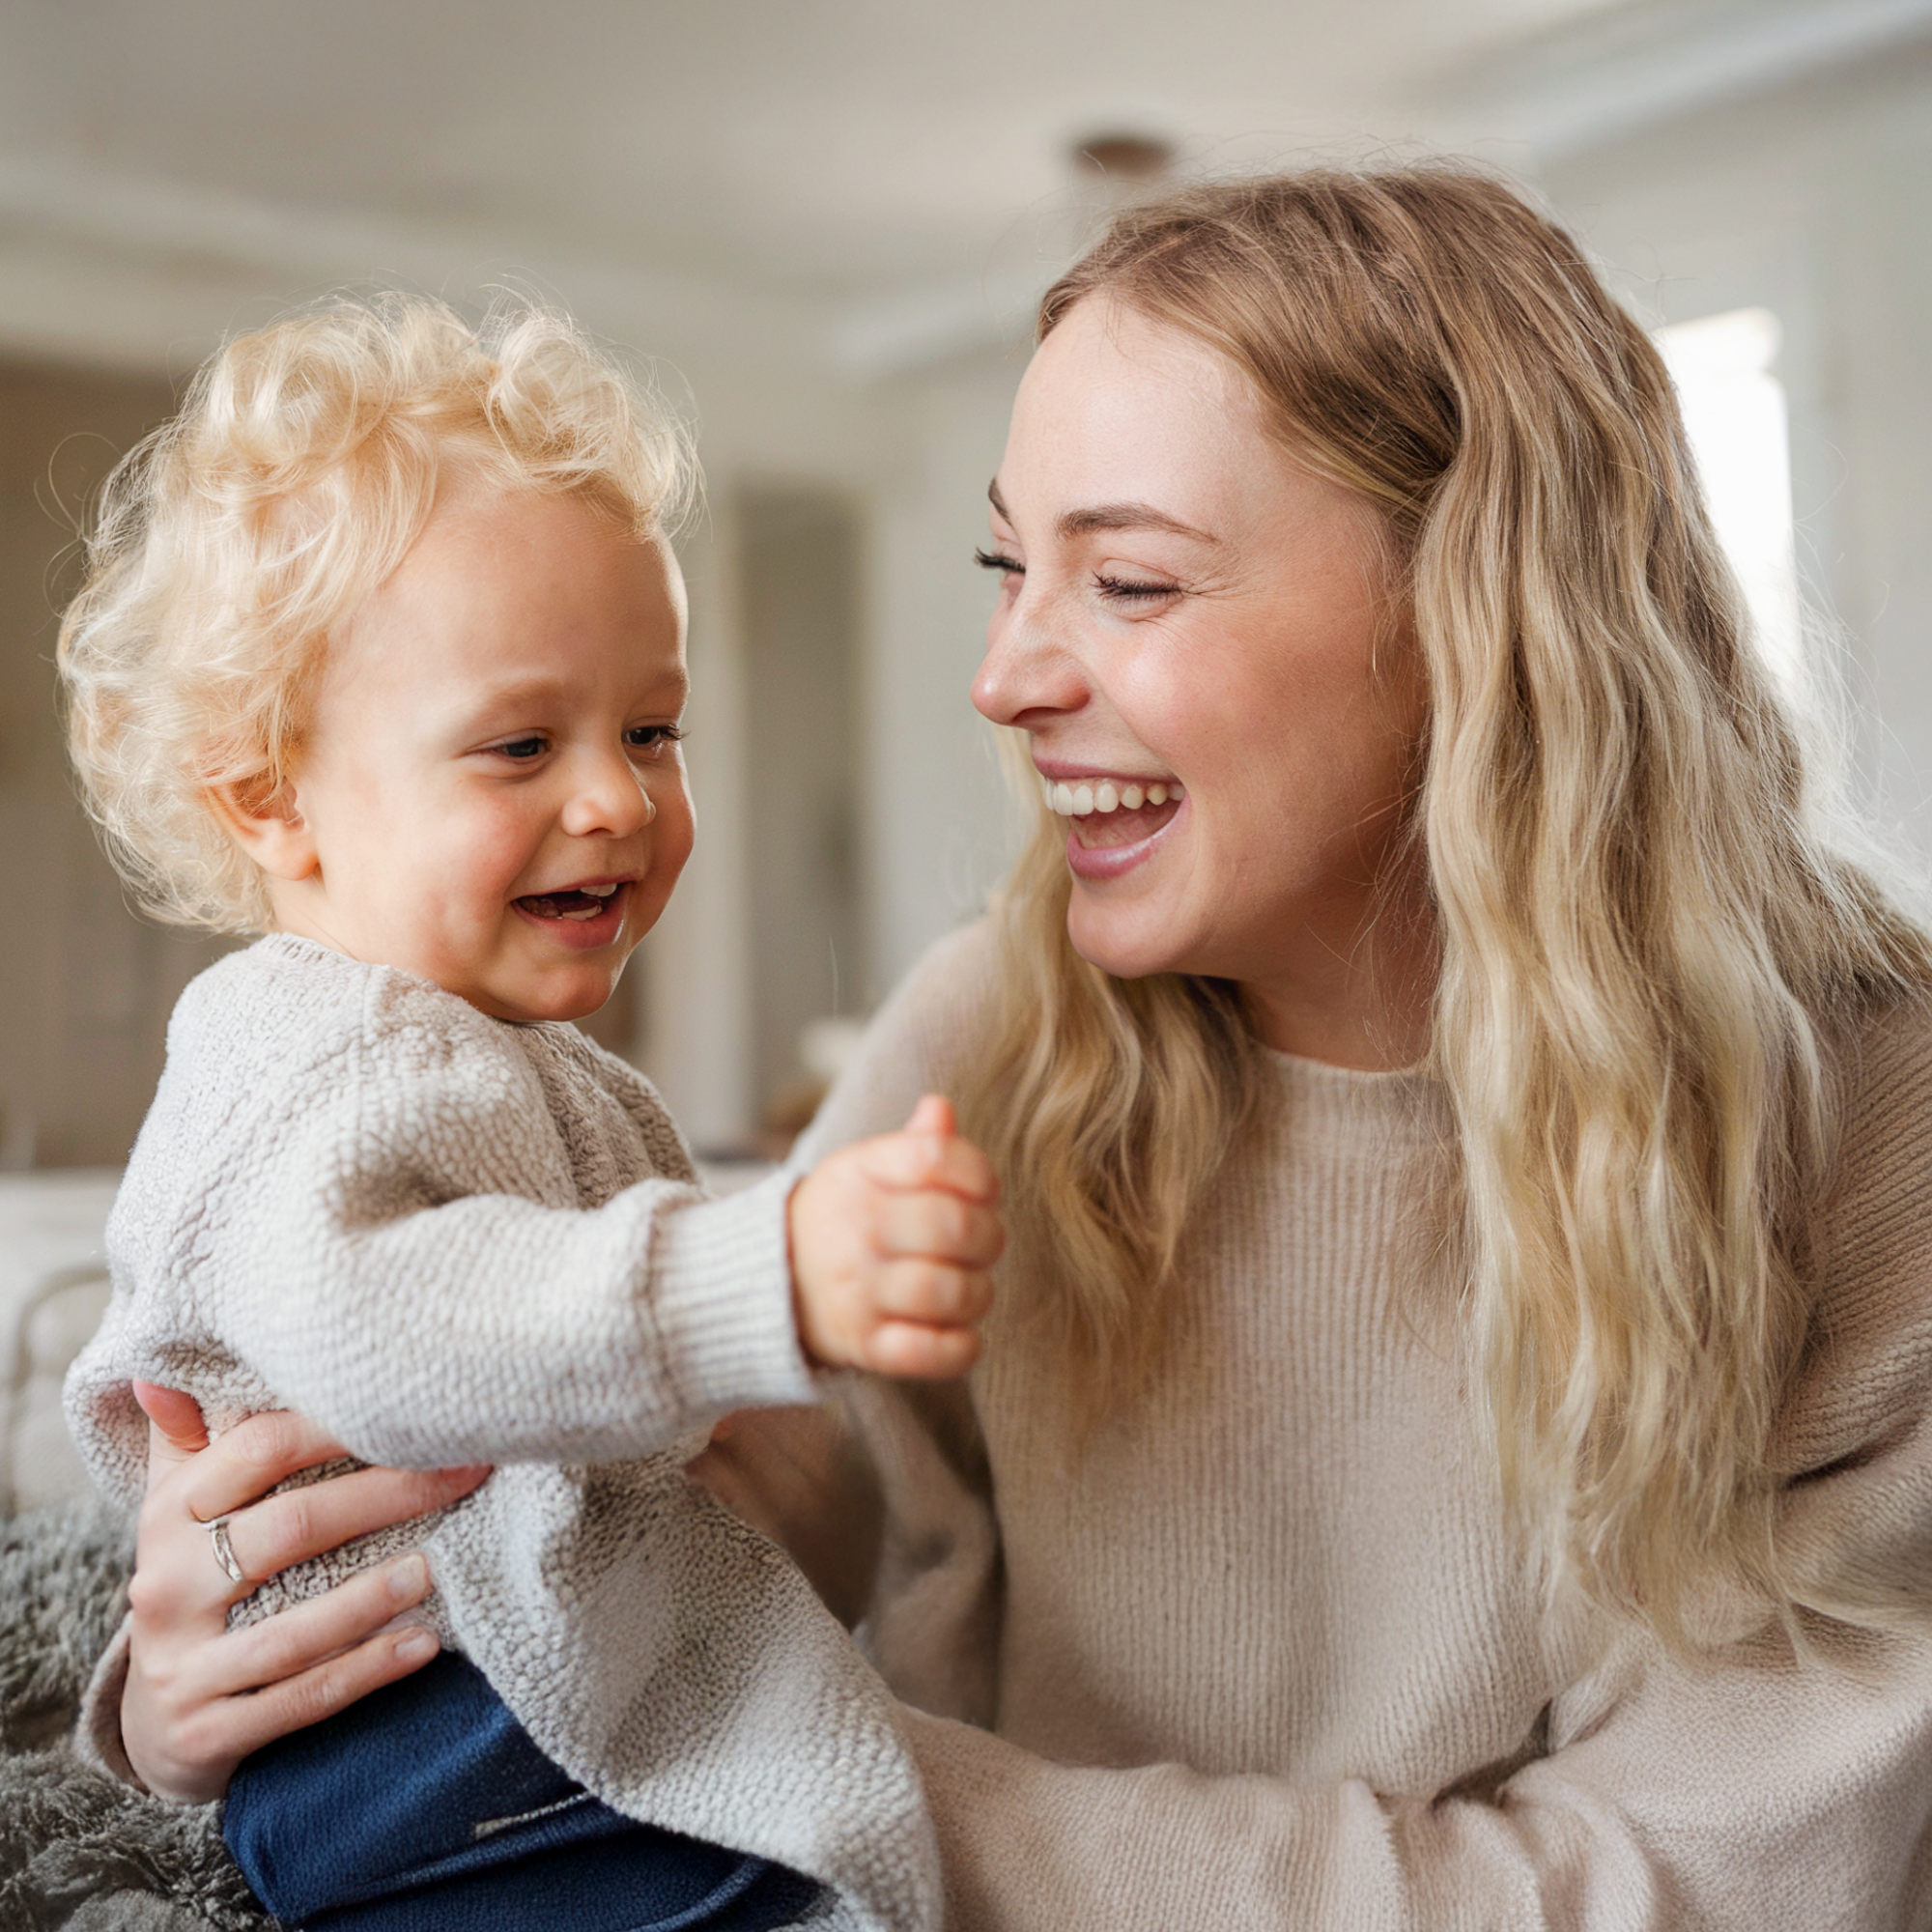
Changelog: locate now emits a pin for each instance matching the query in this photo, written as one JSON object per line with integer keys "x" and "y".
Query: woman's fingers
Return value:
{"x": 249, "y": 1460}
{"x": 175, "y": 1427}
{"x": 288, "y": 1528}
{"x": 296, "y": 1640}
{"x": 185, "y": 1745}
{"x": 320, "y": 1692}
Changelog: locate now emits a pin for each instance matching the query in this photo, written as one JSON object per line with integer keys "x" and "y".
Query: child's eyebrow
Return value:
{"x": 538, "y": 689}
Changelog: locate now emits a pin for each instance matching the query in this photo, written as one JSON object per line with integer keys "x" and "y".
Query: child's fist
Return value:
{"x": 891, "y": 1240}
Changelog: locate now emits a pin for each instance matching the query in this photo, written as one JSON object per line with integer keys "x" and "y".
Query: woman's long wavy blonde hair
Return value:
{"x": 1644, "y": 939}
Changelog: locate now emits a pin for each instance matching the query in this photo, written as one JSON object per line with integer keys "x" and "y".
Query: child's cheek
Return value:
{"x": 494, "y": 848}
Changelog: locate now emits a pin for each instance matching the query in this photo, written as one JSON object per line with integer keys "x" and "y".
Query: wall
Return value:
{"x": 1812, "y": 200}
{"x": 943, "y": 824}
{"x": 85, "y": 988}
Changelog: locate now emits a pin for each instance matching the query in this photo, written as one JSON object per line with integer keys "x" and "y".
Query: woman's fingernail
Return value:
{"x": 415, "y": 1643}
{"x": 408, "y": 1579}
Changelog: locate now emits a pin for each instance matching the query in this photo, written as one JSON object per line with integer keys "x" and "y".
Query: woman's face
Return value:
{"x": 1184, "y": 604}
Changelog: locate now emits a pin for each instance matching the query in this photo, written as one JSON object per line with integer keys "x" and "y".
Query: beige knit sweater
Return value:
{"x": 1266, "y": 1657}
{"x": 451, "y": 1239}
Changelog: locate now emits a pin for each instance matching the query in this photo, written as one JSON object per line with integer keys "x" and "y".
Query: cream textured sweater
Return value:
{"x": 1267, "y": 1657}
{"x": 451, "y": 1239}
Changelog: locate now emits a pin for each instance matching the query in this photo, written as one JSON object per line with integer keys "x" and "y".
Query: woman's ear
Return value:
{"x": 268, "y": 825}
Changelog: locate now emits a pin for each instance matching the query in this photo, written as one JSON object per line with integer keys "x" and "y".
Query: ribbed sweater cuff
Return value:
{"x": 720, "y": 1290}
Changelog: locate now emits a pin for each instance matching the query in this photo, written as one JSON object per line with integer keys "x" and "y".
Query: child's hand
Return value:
{"x": 891, "y": 1240}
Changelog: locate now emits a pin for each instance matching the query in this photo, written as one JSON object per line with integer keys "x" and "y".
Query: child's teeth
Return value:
{"x": 1133, "y": 797}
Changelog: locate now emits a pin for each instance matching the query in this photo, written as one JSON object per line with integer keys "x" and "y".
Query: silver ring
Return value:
{"x": 224, "y": 1551}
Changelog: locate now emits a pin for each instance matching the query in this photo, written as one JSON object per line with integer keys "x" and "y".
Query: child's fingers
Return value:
{"x": 933, "y": 1116}
{"x": 909, "y": 1160}
{"x": 931, "y": 1292}
{"x": 912, "y": 1350}
{"x": 938, "y": 1226}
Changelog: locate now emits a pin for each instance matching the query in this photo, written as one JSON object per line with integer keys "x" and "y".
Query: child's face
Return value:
{"x": 493, "y": 750}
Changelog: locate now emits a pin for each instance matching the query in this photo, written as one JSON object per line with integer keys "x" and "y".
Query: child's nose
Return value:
{"x": 608, "y": 799}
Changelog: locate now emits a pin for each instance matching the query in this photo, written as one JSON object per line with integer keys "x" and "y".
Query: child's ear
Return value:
{"x": 268, "y": 825}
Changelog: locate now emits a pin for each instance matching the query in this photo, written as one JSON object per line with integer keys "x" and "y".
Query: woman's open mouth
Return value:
{"x": 582, "y": 915}
{"x": 1113, "y": 821}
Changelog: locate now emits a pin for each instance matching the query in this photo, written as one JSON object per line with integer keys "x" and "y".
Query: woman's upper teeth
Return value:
{"x": 1077, "y": 801}
{"x": 599, "y": 892}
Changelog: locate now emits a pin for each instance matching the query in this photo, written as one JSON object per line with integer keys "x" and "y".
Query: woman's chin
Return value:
{"x": 1127, "y": 943}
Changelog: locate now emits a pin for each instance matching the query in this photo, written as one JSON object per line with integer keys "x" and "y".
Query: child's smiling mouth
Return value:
{"x": 582, "y": 917}
{"x": 579, "y": 903}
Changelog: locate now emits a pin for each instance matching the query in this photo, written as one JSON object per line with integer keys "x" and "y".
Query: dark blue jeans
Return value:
{"x": 427, "y": 1809}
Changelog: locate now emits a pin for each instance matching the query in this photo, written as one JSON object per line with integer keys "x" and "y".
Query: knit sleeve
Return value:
{"x": 1736, "y": 1796}
{"x": 1759, "y": 1787}
{"x": 383, "y": 1270}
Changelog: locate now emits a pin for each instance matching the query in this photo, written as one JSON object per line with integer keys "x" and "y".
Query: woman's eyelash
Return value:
{"x": 1126, "y": 590}
{"x": 1123, "y": 589}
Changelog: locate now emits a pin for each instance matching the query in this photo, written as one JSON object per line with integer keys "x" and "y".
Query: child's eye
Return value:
{"x": 651, "y": 738}
{"x": 523, "y": 749}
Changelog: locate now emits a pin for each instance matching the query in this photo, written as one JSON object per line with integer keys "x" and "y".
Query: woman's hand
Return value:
{"x": 200, "y": 1696}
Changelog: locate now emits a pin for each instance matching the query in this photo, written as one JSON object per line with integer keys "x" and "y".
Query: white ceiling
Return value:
{"x": 852, "y": 163}
{"x": 823, "y": 145}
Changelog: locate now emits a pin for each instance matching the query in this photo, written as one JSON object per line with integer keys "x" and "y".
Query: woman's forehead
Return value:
{"x": 1120, "y": 410}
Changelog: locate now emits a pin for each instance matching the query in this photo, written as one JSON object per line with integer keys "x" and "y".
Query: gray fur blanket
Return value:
{"x": 78, "y": 1850}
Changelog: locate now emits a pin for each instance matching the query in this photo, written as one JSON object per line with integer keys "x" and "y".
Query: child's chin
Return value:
{"x": 574, "y": 996}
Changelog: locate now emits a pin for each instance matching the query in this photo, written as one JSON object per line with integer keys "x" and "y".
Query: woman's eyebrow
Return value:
{"x": 1128, "y": 517}
{"x": 1111, "y": 517}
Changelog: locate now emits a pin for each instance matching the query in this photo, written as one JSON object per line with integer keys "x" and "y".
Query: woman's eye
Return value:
{"x": 992, "y": 559}
{"x": 523, "y": 749}
{"x": 1130, "y": 590}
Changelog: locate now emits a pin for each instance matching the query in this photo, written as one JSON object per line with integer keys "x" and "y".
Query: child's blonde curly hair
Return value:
{"x": 229, "y": 544}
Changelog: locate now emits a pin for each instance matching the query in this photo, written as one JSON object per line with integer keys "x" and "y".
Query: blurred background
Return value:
{"x": 825, "y": 221}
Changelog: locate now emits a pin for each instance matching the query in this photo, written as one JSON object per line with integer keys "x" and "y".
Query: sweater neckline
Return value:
{"x": 1402, "y": 1107}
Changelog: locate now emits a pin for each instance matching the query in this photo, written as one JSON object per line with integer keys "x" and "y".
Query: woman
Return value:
{"x": 1454, "y": 1449}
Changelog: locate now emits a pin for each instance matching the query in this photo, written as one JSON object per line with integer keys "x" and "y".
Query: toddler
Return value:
{"x": 381, "y": 655}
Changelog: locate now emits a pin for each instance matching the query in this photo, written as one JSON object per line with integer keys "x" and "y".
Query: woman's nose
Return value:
{"x": 1026, "y": 673}
{"x": 608, "y": 799}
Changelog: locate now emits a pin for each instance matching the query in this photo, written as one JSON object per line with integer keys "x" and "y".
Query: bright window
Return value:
{"x": 1735, "y": 414}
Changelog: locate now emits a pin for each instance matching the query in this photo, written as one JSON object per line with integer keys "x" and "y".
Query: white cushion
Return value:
{"x": 53, "y": 1287}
